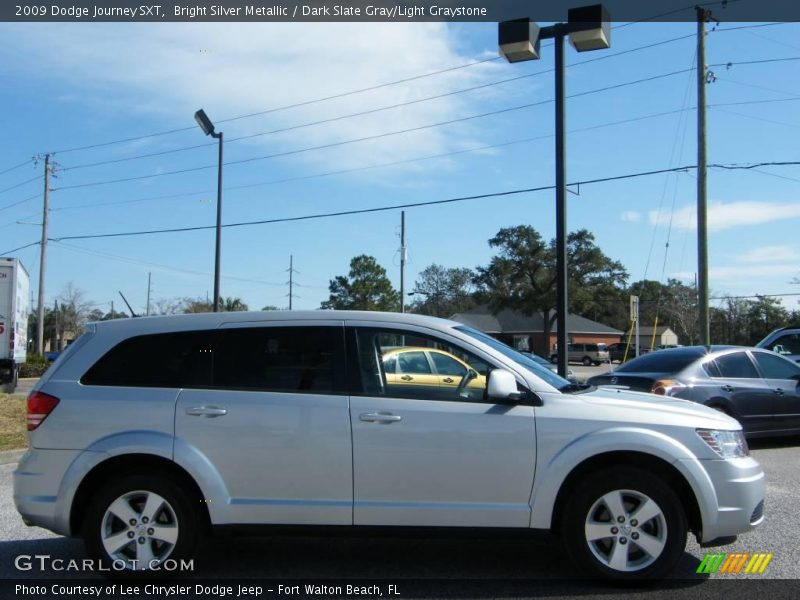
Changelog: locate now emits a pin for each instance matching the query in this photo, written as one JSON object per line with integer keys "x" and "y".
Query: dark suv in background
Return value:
{"x": 784, "y": 341}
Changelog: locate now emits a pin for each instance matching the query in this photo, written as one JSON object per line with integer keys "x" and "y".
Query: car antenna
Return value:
{"x": 133, "y": 314}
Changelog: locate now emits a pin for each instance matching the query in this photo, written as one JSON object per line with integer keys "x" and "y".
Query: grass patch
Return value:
{"x": 13, "y": 430}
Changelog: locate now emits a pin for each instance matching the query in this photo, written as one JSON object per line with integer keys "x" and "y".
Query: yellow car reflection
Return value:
{"x": 427, "y": 367}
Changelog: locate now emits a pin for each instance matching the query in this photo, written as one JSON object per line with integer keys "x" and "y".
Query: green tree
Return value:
{"x": 597, "y": 283}
{"x": 522, "y": 276}
{"x": 442, "y": 292}
{"x": 764, "y": 315}
{"x": 201, "y": 305}
{"x": 365, "y": 287}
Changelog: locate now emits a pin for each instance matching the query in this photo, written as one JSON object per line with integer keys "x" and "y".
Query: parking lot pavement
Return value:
{"x": 583, "y": 373}
{"x": 24, "y": 386}
{"x": 501, "y": 559}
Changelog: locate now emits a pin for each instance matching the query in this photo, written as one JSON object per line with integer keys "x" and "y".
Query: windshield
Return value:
{"x": 541, "y": 372}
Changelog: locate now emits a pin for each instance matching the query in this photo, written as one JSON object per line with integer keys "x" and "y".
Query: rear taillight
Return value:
{"x": 666, "y": 387}
{"x": 39, "y": 406}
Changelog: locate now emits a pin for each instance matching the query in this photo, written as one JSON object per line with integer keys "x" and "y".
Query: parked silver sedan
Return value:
{"x": 755, "y": 386}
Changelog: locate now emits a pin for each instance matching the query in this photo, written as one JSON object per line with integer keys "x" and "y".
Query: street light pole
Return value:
{"x": 562, "y": 296}
{"x": 218, "y": 251}
{"x": 588, "y": 29}
{"x": 208, "y": 128}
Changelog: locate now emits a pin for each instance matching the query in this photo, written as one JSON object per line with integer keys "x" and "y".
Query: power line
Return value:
{"x": 399, "y": 81}
{"x": 19, "y": 202}
{"x": 285, "y": 107}
{"x": 375, "y": 110}
{"x": 20, "y": 165}
{"x": 13, "y": 187}
{"x": 379, "y": 165}
{"x": 144, "y": 263}
{"x": 752, "y": 296}
{"x": 7, "y": 252}
{"x": 373, "y": 137}
{"x": 756, "y": 62}
{"x": 340, "y": 95}
{"x": 414, "y": 204}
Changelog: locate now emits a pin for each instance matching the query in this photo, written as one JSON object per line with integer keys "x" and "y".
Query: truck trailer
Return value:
{"x": 14, "y": 286}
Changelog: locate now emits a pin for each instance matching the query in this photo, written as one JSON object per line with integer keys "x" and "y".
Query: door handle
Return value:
{"x": 206, "y": 411}
{"x": 778, "y": 391}
{"x": 406, "y": 378}
{"x": 448, "y": 380}
{"x": 380, "y": 418}
{"x": 727, "y": 388}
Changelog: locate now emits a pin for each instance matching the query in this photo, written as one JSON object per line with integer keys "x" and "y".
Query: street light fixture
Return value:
{"x": 588, "y": 29}
{"x": 208, "y": 128}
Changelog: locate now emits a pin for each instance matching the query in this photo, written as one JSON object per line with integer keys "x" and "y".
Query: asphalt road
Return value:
{"x": 24, "y": 386}
{"x": 486, "y": 559}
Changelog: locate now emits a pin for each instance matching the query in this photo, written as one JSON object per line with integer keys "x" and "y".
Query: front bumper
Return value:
{"x": 737, "y": 503}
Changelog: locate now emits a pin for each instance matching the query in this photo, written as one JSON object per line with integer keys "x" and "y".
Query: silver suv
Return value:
{"x": 149, "y": 433}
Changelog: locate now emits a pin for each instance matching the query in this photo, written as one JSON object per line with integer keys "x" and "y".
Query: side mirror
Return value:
{"x": 503, "y": 386}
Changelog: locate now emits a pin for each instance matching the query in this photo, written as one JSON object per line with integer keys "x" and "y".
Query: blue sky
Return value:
{"x": 72, "y": 85}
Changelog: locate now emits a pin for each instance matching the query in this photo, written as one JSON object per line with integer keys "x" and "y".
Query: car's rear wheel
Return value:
{"x": 625, "y": 523}
{"x": 587, "y": 362}
{"x": 142, "y": 524}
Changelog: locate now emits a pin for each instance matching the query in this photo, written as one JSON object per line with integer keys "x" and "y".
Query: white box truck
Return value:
{"x": 14, "y": 286}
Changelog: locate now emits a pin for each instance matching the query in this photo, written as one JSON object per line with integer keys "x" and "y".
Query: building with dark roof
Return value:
{"x": 525, "y": 332}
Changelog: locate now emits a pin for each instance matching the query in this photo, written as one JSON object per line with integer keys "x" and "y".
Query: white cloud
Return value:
{"x": 728, "y": 215}
{"x": 171, "y": 70}
{"x": 631, "y": 216}
{"x": 761, "y": 263}
{"x": 772, "y": 254}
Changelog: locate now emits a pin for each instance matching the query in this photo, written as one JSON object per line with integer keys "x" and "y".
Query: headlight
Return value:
{"x": 727, "y": 444}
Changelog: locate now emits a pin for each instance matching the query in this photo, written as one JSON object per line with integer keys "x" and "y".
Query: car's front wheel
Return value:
{"x": 142, "y": 524}
{"x": 625, "y": 523}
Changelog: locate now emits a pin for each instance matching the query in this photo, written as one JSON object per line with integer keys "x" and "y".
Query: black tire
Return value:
{"x": 179, "y": 510}
{"x": 669, "y": 528}
{"x": 8, "y": 388}
{"x": 587, "y": 362}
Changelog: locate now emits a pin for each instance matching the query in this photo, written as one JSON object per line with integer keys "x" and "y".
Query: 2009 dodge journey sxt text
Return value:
{"x": 147, "y": 433}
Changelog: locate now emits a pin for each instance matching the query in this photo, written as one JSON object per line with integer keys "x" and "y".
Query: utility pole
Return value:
{"x": 291, "y": 279}
{"x": 57, "y": 338}
{"x": 147, "y": 309}
{"x": 112, "y": 311}
{"x": 43, "y": 259}
{"x": 403, "y": 261}
{"x": 702, "y": 169}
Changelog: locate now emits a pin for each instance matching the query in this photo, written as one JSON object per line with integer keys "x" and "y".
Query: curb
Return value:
{"x": 10, "y": 456}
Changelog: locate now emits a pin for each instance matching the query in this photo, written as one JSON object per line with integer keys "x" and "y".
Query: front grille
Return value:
{"x": 758, "y": 513}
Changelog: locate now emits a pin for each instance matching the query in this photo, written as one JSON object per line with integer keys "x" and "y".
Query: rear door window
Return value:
{"x": 775, "y": 367}
{"x": 736, "y": 365}
{"x": 281, "y": 359}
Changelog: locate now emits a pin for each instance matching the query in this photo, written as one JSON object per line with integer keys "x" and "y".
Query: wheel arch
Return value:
{"x": 129, "y": 464}
{"x": 642, "y": 460}
{"x": 723, "y": 403}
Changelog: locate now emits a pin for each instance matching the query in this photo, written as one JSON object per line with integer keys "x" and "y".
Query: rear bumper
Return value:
{"x": 37, "y": 483}
{"x": 738, "y": 504}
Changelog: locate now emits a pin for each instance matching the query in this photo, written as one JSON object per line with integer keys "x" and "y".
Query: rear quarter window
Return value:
{"x": 181, "y": 359}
